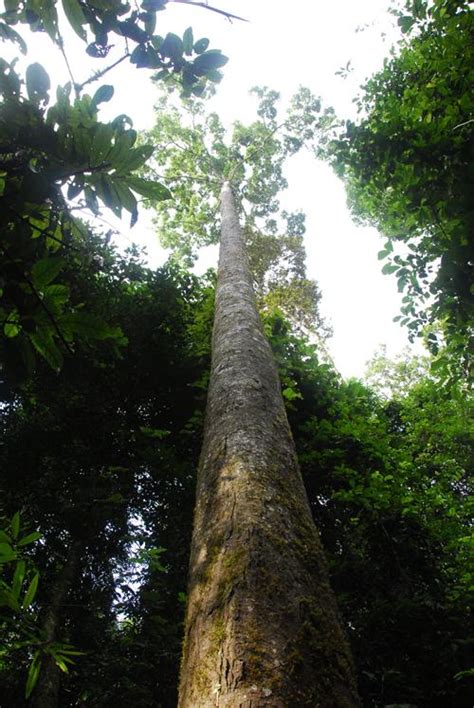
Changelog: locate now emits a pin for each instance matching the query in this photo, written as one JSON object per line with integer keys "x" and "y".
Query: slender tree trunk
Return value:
{"x": 46, "y": 694}
{"x": 262, "y": 627}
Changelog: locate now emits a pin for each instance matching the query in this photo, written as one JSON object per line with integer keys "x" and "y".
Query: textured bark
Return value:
{"x": 262, "y": 627}
{"x": 46, "y": 694}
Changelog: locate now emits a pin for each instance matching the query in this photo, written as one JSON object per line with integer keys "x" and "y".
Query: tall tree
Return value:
{"x": 262, "y": 626}
{"x": 236, "y": 628}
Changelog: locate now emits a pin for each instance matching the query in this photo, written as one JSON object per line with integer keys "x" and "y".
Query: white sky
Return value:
{"x": 284, "y": 45}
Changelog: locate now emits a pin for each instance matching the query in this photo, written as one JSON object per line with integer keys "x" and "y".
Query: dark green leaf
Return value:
{"x": 89, "y": 326}
{"x": 15, "y": 525}
{"x": 76, "y": 17}
{"x": 209, "y": 61}
{"x": 18, "y": 578}
{"x": 153, "y": 5}
{"x": 103, "y": 95}
{"x": 188, "y": 41}
{"x": 149, "y": 189}
{"x": 45, "y": 270}
{"x": 31, "y": 538}
{"x": 389, "y": 268}
{"x": 201, "y": 45}
{"x": 172, "y": 47}
{"x": 8, "y": 33}
{"x": 91, "y": 200}
{"x": 33, "y": 674}
{"x": 31, "y": 592}
{"x": 126, "y": 197}
{"x": 43, "y": 342}
{"x": 37, "y": 83}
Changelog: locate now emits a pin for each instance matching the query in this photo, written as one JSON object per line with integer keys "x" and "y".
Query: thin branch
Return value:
{"x": 228, "y": 15}
{"x": 99, "y": 74}
{"x": 461, "y": 125}
{"x": 43, "y": 232}
{"x": 71, "y": 75}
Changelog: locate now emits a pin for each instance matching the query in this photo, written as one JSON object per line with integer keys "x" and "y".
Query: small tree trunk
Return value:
{"x": 46, "y": 693}
{"x": 262, "y": 627}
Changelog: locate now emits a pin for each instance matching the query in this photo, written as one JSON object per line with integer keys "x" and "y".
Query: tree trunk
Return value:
{"x": 46, "y": 694}
{"x": 262, "y": 627}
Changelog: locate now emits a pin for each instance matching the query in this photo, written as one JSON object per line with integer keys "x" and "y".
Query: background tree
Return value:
{"x": 408, "y": 166}
{"x": 81, "y": 451}
{"x": 389, "y": 482}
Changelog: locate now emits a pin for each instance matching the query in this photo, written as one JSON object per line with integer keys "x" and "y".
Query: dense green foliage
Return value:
{"x": 58, "y": 160}
{"x": 102, "y": 457}
{"x": 98, "y": 448}
{"x": 408, "y": 163}
{"x": 92, "y": 454}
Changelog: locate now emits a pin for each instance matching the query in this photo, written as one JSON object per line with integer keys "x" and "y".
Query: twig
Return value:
{"x": 229, "y": 15}
{"x": 99, "y": 74}
{"x": 461, "y": 125}
{"x": 71, "y": 75}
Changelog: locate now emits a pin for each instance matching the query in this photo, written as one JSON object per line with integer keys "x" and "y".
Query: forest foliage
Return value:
{"x": 104, "y": 362}
{"x": 407, "y": 162}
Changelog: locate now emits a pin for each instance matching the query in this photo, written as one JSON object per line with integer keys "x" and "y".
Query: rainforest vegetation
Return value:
{"x": 105, "y": 366}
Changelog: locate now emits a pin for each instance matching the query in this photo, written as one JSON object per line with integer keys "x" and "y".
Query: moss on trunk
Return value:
{"x": 262, "y": 627}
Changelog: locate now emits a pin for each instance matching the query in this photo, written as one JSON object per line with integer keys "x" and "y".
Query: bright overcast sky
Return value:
{"x": 285, "y": 45}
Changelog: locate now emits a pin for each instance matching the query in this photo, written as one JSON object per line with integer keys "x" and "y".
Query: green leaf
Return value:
{"x": 8, "y": 33}
{"x": 154, "y": 5}
{"x": 12, "y": 328}
{"x": 107, "y": 192}
{"x": 148, "y": 189}
{"x": 101, "y": 144}
{"x": 15, "y": 525}
{"x": 172, "y": 47}
{"x": 56, "y": 295}
{"x": 76, "y": 17}
{"x": 31, "y": 538}
{"x": 91, "y": 200}
{"x": 126, "y": 196}
{"x": 37, "y": 83}
{"x": 89, "y": 326}
{"x": 383, "y": 254}
{"x": 211, "y": 60}
{"x": 33, "y": 674}
{"x": 201, "y": 45}
{"x": 45, "y": 345}
{"x": 102, "y": 95}
{"x": 134, "y": 159}
{"x": 31, "y": 592}
{"x": 154, "y": 432}
{"x": 18, "y": 578}
{"x": 46, "y": 270}
{"x": 389, "y": 268}
{"x": 7, "y": 553}
{"x": 188, "y": 41}
{"x": 290, "y": 394}
{"x": 405, "y": 23}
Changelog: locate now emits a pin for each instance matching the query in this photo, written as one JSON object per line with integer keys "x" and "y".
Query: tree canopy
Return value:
{"x": 408, "y": 166}
{"x": 60, "y": 164}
